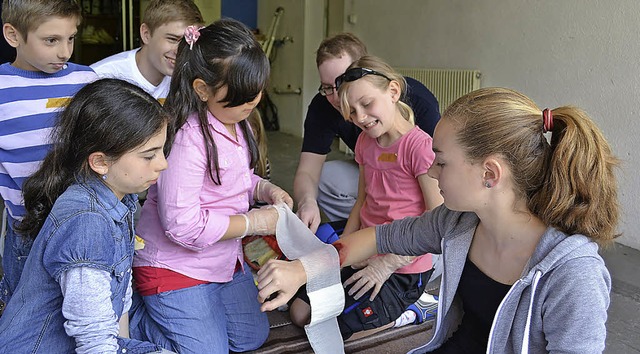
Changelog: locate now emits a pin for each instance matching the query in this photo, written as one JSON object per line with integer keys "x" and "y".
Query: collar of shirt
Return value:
{"x": 222, "y": 130}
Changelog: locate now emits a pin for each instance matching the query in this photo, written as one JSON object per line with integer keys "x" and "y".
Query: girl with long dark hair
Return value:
{"x": 76, "y": 290}
{"x": 191, "y": 272}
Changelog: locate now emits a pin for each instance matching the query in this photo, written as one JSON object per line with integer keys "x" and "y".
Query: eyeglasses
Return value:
{"x": 327, "y": 90}
{"x": 354, "y": 74}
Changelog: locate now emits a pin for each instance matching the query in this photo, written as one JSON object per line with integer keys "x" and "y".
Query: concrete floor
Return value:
{"x": 623, "y": 326}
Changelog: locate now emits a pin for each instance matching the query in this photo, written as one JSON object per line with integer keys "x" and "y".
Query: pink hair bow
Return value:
{"x": 191, "y": 35}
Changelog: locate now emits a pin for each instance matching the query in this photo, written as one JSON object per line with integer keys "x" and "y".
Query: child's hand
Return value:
{"x": 283, "y": 278}
{"x": 373, "y": 276}
{"x": 360, "y": 265}
{"x": 272, "y": 194}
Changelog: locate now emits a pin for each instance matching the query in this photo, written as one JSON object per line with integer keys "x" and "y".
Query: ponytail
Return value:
{"x": 579, "y": 192}
{"x": 406, "y": 112}
{"x": 568, "y": 183}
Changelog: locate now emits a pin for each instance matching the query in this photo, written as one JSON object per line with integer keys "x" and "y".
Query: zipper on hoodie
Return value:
{"x": 439, "y": 312}
{"x": 525, "y": 338}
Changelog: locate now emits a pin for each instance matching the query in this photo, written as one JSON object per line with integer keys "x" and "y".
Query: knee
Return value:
{"x": 300, "y": 313}
{"x": 261, "y": 336}
{"x": 262, "y": 333}
{"x": 337, "y": 175}
{"x": 252, "y": 341}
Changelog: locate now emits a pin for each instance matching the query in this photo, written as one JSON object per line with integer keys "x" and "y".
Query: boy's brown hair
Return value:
{"x": 27, "y": 15}
{"x": 160, "y": 12}
{"x": 335, "y": 46}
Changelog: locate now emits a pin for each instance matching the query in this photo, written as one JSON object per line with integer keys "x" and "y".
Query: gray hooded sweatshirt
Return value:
{"x": 559, "y": 304}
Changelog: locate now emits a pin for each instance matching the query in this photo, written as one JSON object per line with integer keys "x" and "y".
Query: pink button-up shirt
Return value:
{"x": 186, "y": 214}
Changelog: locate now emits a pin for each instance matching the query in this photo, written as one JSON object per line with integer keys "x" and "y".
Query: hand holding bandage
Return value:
{"x": 318, "y": 265}
{"x": 282, "y": 278}
{"x": 375, "y": 272}
{"x": 272, "y": 194}
{"x": 309, "y": 213}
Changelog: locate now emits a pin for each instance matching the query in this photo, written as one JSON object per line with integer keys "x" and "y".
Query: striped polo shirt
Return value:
{"x": 29, "y": 104}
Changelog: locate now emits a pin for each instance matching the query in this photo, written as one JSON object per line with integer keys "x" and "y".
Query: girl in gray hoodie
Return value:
{"x": 529, "y": 195}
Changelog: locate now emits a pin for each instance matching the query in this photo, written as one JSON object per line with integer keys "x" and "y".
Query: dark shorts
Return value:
{"x": 396, "y": 294}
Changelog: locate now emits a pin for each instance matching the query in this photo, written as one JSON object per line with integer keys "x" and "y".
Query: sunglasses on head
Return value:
{"x": 354, "y": 74}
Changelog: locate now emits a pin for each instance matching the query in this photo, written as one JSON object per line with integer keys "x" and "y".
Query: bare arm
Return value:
{"x": 353, "y": 223}
{"x": 357, "y": 246}
{"x": 305, "y": 188}
{"x": 285, "y": 277}
{"x": 237, "y": 227}
{"x": 430, "y": 191}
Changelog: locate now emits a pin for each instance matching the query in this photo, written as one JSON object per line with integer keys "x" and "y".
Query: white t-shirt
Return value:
{"x": 123, "y": 66}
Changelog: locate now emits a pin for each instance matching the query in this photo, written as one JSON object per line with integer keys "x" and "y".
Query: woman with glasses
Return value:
{"x": 332, "y": 185}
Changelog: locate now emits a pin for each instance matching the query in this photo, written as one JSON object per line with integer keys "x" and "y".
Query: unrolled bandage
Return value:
{"x": 322, "y": 265}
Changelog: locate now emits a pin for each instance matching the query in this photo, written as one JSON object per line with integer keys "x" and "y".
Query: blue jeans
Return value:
{"x": 16, "y": 250}
{"x": 209, "y": 318}
{"x": 142, "y": 327}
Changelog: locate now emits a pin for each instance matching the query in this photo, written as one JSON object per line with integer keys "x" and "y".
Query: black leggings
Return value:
{"x": 396, "y": 294}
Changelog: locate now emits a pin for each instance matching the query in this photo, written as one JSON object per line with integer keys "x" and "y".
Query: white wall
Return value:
{"x": 585, "y": 53}
{"x": 294, "y": 66}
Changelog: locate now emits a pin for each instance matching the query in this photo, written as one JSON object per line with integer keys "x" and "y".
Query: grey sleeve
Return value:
{"x": 574, "y": 312}
{"x": 411, "y": 236}
{"x": 128, "y": 296}
{"x": 90, "y": 318}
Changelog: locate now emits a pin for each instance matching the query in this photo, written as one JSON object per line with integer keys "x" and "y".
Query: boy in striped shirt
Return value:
{"x": 32, "y": 90}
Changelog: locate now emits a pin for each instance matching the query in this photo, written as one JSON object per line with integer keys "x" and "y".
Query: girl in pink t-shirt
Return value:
{"x": 394, "y": 156}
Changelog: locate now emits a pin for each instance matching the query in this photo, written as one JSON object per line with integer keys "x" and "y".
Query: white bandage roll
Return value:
{"x": 322, "y": 265}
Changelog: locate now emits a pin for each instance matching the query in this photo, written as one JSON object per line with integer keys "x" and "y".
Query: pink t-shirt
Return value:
{"x": 391, "y": 178}
{"x": 186, "y": 214}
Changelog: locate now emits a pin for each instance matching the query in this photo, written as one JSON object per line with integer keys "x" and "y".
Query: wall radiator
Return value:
{"x": 446, "y": 84}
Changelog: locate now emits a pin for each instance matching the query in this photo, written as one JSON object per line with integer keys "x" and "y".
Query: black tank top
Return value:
{"x": 480, "y": 297}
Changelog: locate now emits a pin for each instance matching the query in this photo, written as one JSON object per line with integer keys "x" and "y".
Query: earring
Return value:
{"x": 104, "y": 177}
{"x": 487, "y": 184}
{"x": 204, "y": 99}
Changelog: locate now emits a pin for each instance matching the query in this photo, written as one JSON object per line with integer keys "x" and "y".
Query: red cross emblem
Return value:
{"x": 367, "y": 312}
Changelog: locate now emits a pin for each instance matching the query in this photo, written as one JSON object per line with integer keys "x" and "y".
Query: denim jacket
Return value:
{"x": 87, "y": 227}
{"x": 16, "y": 250}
